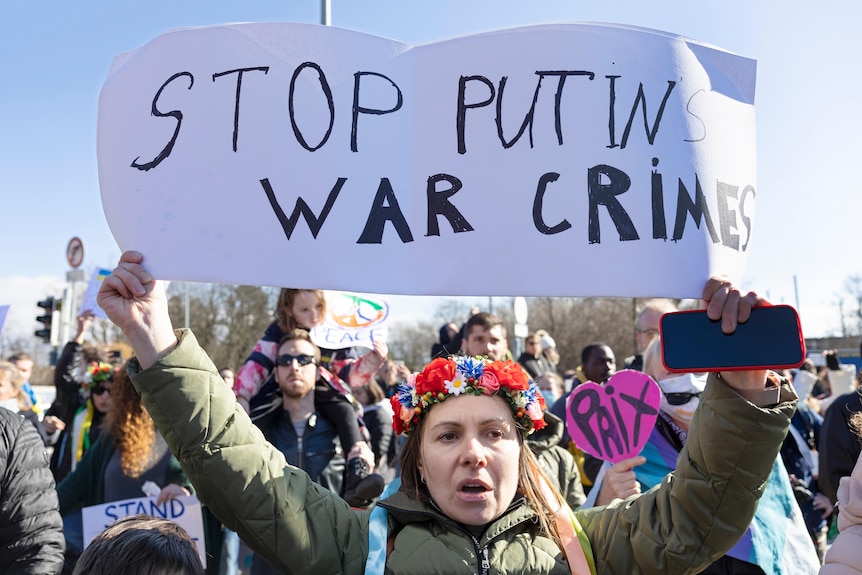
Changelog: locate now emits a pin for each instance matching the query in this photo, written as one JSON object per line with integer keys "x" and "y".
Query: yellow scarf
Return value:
{"x": 84, "y": 432}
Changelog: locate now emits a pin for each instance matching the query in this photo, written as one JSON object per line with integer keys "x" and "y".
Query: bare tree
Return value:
{"x": 106, "y": 332}
{"x": 451, "y": 310}
{"x": 411, "y": 342}
{"x": 575, "y": 323}
{"x": 30, "y": 345}
{"x": 842, "y": 315}
{"x": 853, "y": 288}
{"x": 226, "y": 319}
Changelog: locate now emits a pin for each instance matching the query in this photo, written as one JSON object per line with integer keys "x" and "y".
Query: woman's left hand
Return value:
{"x": 726, "y": 302}
{"x": 171, "y": 491}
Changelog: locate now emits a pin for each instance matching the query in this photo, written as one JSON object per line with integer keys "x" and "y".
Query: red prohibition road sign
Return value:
{"x": 75, "y": 252}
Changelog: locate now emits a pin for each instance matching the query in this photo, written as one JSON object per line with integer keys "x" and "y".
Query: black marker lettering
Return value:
{"x": 166, "y": 151}
{"x": 558, "y": 97}
{"x": 612, "y": 98}
{"x": 461, "y": 117}
{"x": 620, "y": 423}
{"x": 650, "y": 132}
{"x": 697, "y": 208}
{"x": 528, "y": 119}
{"x": 357, "y": 109}
{"x": 582, "y": 418}
{"x": 605, "y": 195}
{"x": 745, "y": 219}
{"x": 327, "y": 93}
{"x": 239, "y": 72}
{"x": 439, "y": 205}
{"x": 726, "y": 216}
{"x": 381, "y": 213}
{"x": 641, "y": 408}
{"x": 608, "y": 431}
{"x": 539, "y": 200}
{"x": 314, "y": 223}
{"x": 659, "y": 226}
{"x": 693, "y": 115}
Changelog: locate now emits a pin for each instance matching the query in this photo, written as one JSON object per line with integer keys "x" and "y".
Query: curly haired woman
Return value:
{"x": 128, "y": 453}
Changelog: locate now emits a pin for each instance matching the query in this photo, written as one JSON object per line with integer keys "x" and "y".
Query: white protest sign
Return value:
{"x": 88, "y": 302}
{"x": 316, "y": 157}
{"x": 352, "y": 320}
{"x": 184, "y": 510}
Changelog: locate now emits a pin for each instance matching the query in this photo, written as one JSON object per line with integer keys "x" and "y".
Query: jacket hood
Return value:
{"x": 548, "y": 436}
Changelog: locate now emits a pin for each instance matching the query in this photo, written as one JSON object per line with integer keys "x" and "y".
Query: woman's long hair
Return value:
{"x": 283, "y": 311}
{"x": 129, "y": 425}
{"x": 533, "y": 484}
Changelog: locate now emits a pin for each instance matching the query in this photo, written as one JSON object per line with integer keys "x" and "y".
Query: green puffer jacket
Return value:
{"x": 678, "y": 527}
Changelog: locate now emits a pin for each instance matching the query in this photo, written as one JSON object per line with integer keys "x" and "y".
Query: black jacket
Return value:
{"x": 536, "y": 366}
{"x": 67, "y": 400}
{"x": 838, "y": 444}
{"x": 65, "y": 406}
{"x": 318, "y": 452}
{"x": 31, "y": 531}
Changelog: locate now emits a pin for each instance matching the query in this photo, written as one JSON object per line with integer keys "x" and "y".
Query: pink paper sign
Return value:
{"x": 613, "y": 421}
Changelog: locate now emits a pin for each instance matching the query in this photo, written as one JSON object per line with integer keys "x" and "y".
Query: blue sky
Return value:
{"x": 55, "y": 56}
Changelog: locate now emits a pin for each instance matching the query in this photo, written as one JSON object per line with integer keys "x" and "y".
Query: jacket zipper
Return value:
{"x": 299, "y": 450}
{"x": 482, "y": 556}
{"x": 311, "y": 423}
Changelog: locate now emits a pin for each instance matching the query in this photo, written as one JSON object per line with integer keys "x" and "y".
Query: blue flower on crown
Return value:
{"x": 405, "y": 393}
{"x": 471, "y": 367}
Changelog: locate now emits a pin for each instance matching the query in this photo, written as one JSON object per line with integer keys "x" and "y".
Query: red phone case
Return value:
{"x": 791, "y": 339}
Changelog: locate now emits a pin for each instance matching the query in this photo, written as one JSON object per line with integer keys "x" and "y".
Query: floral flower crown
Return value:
{"x": 473, "y": 375}
{"x": 98, "y": 372}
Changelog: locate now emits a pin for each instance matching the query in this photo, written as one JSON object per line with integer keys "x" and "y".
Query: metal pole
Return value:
{"x": 796, "y": 292}
{"x": 326, "y": 12}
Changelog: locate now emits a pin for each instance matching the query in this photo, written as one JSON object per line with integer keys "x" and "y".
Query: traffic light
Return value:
{"x": 49, "y": 304}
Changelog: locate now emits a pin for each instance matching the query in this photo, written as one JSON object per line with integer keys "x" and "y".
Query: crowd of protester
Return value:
{"x": 330, "y": 413}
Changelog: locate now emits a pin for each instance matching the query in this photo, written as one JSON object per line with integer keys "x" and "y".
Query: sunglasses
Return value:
{"x": 680, "y": 398}
{"x": 99, "y": 390}
{"x": 302, "y": 359}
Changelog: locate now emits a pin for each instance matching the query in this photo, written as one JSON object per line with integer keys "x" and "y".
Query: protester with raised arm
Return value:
{"x": 472, "y": 498}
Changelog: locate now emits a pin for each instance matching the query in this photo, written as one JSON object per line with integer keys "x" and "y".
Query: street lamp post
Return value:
{"x": 326, "y": 12}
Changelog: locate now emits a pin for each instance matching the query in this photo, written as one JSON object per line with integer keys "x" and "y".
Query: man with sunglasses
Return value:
{"x": 307, "y": 440}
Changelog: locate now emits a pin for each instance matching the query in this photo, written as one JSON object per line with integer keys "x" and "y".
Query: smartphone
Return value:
{"x": 770, "y": 339}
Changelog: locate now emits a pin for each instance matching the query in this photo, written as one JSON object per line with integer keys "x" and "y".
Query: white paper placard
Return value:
{"x": 352, "y": 320}
{"x": 88, "y": 302}
{"x": 184, "y": 510}
{"x": 298, "y": 155}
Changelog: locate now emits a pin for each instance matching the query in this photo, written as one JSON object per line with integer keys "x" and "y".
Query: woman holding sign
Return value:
{"x": 775, "y": 543}
{"x": 473, "y": 499}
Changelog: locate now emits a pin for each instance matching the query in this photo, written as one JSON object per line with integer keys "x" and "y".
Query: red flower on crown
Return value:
{"x": 434, "y": 377}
